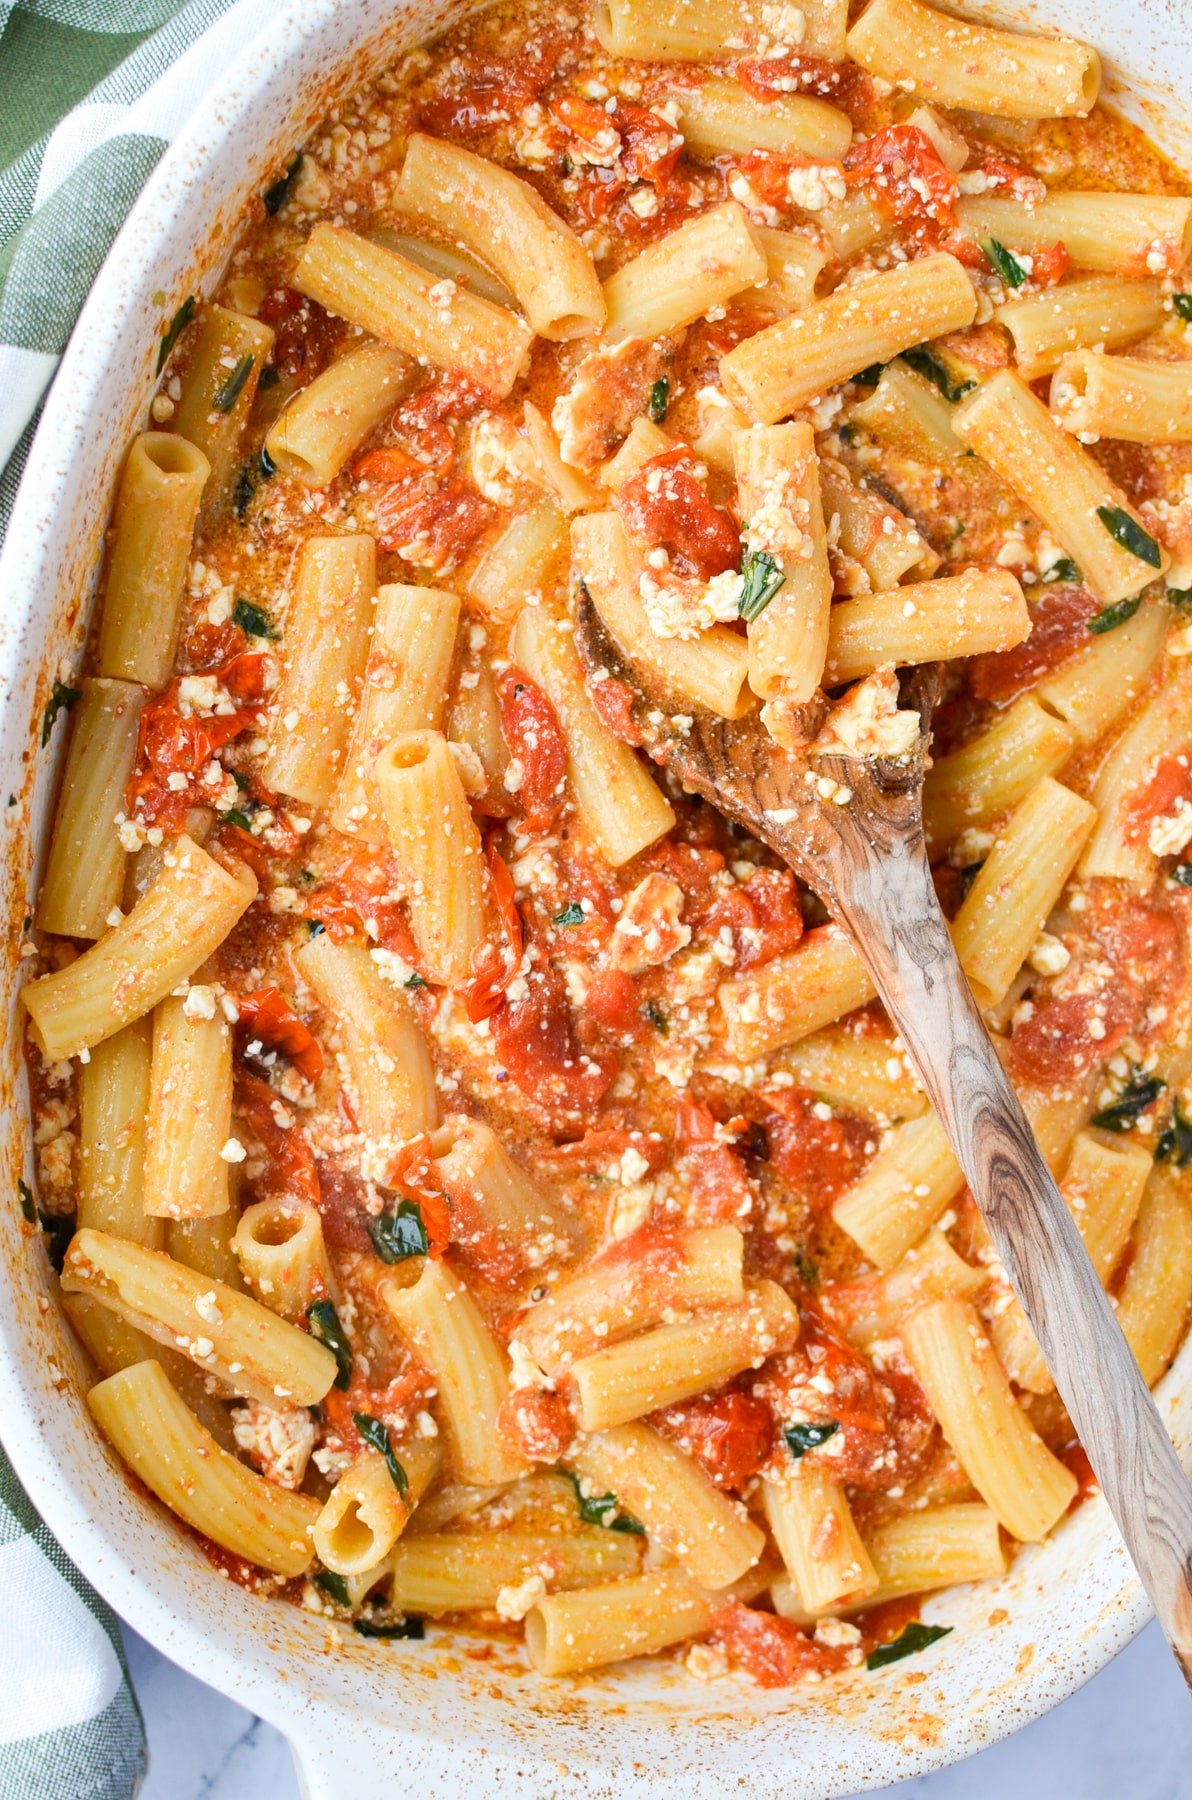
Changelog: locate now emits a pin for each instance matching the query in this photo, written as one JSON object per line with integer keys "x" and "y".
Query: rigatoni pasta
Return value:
{"x": 484, "y": 1180}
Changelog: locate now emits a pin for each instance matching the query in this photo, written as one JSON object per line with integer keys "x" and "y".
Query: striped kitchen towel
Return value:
{"x": 91, "y": 92}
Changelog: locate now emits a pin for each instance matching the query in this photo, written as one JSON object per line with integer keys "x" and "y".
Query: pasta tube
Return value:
{"x": 190, "y": 1114}
{"x": 677, "y": 279}
{"x": 778, "y": 487}
{"x": 326, "y": 422}
{"x": 930, "y": 621}
{"x": 84, "y": 876}
{"x": 437, "y": 848}
{"x": 508, "y": 225}
{"x": 157, "y": 503}
{"x": 143, "y": 1418}
{"x": 172, "y": 929}
{"x": 1123, "y": 397}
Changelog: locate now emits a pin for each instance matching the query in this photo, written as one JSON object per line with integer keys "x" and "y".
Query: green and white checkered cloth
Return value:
{"x": 91, "y": 92}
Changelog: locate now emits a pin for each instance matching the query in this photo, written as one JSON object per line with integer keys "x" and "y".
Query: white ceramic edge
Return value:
{"x": 366, "y": 1758}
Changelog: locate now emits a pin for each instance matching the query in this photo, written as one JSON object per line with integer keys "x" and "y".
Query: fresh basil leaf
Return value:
{"x": 415, "y": 980}
{"x": 61, "y": 699}
{"x": 399, "y": 1234}
{"x": 1183, "y": 305}
{"x": 1004, "y": 262}
{"x": 763, "y": 578}
{"x": 315, "y": 928}
{"x": 275, "y": 197}
{"x": 1140, "y": 1091}
{"x": 1063, "y": 570}
{"x": 174, "y": 330}
{"x": 324, "y": 1324}
{"x": 924, "y": 362}
{"x": 1175, "y": 1144}
{"x": 242, "y": 494}
{"x": 572, "y": 914}
{"x": 659, "y": 401}
{"x": 603, "y": 1509}
{"x": 869, "y": 377}
{"x": 235, "y": 817}
{"x": 254, "y": 620}
{"x": 226, "y": 395}
{"x": 803, "y": 1437}
{"x": 1127, "y": 532}
{"x": 376, "y": 1436}
{"x": 1110, "y": 617}
{"x": 334, "y": 1586}
{"x": 26, "y": 1197}
{"x": 409, "y": 1627}
{"x": 243, "y": 781}
{"x": 910, "y": 1640}
{"x": 270, "y": 376}
{"x": 58, "y": 1231}
{"x": 1181, "y": 874}
{"x": 1180, "y": 598}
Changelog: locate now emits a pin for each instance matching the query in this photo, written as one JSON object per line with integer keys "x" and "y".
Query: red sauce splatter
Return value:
{"x": 614, "y": 702}
{"x": 536, "y": 1425}
{"x": 730, "y": 1435}
{"x": 901, "y": 171}
{"x": 1059, "y": 627}
{"x": 763, "y": 914}
{"x": 305, "y": 336}
{"x": 1170, "y": 783}
{"x": 772, "y": 1650}
{"x": 769, "y": 77}
{"x": 666, "y": 505}
{"x": 819, "y": 1157}
{"x": 267, "y": 1014}
{"x": 532, "y": 731}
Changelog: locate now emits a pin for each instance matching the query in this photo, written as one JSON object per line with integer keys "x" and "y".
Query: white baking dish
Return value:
{"x": 368, "y": 1718}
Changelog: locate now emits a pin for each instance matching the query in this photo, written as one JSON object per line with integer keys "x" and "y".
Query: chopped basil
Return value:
{"x": 376, "y": 1435}
{"x": 62, "y": 698}
{"x": 572, "y": 914}
{"x": 806, "y": 1270}
{"x": 656, "y": 1016}
{"x": 1183, "y": 305}
{"x": 1111, "y": 616}
{"x": 910, "y": 1640}
{"x": 1180, "y": 598}
{"x": 1139, "y": 1093}
{"x": 924, "y": 362}
{"x": 415, "y": 980}
{"x": 275, "y": 197}
{"x": 235, "y": 817}
{"x": 1181, "y": 874}
{"x": 659, "y": 400}
{"x": 1063, "y": 570}
{"x": 1004, "y": 263}
{"x": 270, "y": 376}
{"x": 261, "y": 468}
{"x": 226, "y": 395}
{"x": 174, "y": 330}
{"x": 1175, "y": 1144}
{"x": 603, "y": 1509}
{"x": 804, "y": 1437}
{"x": 762, "y": 578}
{"x": 324, "y": 1324}
{"x": 254, "y": 620}
{"x": 1127, "y": 532}
{"x": 409, "y": 1627}
{"x": 242, "y": 780}
{"x": 869, "y": 377}
{"x": 59, "y": 1230}
{"x": 27, "y": 1206}
{"x": 399, "y": 1234}
{"x": 334, "y": 1586}
{"x": 315, "y": 928}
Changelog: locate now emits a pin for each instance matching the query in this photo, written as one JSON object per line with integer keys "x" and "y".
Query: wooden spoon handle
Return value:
{"x": 889, "y": 903}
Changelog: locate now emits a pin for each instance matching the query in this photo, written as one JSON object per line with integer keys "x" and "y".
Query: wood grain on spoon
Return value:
{"x": 864, "y": 856}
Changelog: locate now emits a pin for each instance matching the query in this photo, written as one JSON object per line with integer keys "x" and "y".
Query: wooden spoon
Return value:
{"x": 867, "y": 862}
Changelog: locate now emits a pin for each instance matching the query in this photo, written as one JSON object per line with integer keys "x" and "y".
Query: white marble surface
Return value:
{"x": 1128, "y": 1733}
